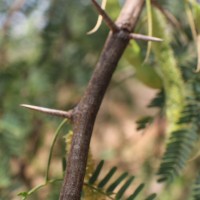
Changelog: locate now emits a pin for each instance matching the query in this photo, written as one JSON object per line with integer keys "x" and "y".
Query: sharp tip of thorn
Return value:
{"x": 28, "y": 106}
{"x": 89, "y": 33}
{"x": 159, "y": 40}
{"x": 23, "y": 105}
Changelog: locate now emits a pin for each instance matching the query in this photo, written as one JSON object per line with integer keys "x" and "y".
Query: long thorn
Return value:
{"x": 54, "y": 112}
{"x": 113, "y": 27}
{"x": 99, "y": 20}
{"x": 144, "y": 37}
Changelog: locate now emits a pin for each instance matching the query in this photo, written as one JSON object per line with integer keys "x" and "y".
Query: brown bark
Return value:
{"x": 84, "y": 114}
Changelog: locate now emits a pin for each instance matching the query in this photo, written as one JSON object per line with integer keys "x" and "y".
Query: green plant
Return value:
{"x": 172, "y": 63}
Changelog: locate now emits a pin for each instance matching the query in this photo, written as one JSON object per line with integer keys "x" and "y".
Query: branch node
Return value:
{"x": 54, "y": 112}
{"x": 109, "y": 22}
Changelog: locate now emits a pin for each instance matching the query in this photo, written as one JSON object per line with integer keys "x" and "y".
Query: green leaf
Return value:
{"x": 107, "y": 177}
{"x": 137, "y": 191}
{"x": 144, "y": 122}
{"x": 117, "y": 182}
{"x": 124, "y": 187}
{"x": 96, "y": 172}
{"x": 64, "y": 164}
{"x": 24, "y": 195}
{"x": 151, "y": 197}
{"x": 196, "y": 188}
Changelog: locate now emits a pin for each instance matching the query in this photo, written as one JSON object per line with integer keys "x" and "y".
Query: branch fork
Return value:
{"x": 84, "y": 114}
{"x": 116, "y": 29}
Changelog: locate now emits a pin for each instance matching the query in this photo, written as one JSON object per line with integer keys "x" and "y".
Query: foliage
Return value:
{"x": 36, "y": 63}
{"x": 124, "y": 179}
{"x": 44, "y": 47}
{"x": 93, "y": 190}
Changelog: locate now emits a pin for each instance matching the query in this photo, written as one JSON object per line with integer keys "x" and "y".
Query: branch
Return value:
{"x": 84, "y": 114}
{"x": 106, "y": 18}
{"x": 167, "y": 14}
{"x": 99, "y": 19}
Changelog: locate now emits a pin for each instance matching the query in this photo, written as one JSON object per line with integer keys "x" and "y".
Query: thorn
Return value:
{"x": 99, "y": 20}
{"x": 112, "y": 26}
{"x": 54, "y": 112}
{"x": 98, "y": 24}
{"x": 144, "y": 37}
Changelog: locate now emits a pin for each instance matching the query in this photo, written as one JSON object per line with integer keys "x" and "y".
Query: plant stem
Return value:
{"x": 84, "y": 114}
{"x": 52, "y": 146}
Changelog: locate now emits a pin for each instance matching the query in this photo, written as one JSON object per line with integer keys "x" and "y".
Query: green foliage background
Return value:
{"x": 44, "y": 50}
{"x": 46, "y": 59}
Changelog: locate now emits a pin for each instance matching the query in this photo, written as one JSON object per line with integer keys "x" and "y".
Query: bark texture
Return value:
{"x": 84, "y": 114}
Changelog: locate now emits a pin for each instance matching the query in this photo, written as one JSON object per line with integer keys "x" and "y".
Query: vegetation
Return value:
{"x": 47, "y": 59}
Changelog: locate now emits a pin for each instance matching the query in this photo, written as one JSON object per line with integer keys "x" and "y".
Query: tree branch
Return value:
{"x": 84, "y": 114}
{"x": 106, "y": 18}
{"x": 169, "y": 16}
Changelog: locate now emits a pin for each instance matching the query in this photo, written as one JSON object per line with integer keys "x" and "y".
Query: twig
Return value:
{"x": 54, "y": 112}
{"x": 84, "y": 114}
{"x": 112, "y": 26}
{"x": 51, "y": 149}
{"x": 99, "y": 20}
{"x": 167, "y": 14}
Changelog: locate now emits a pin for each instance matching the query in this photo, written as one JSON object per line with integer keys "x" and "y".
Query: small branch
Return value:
{"x": 167, "y": 14}
{"x": 54, "y": 112}
{"x": 99, "y": 20}
{"x": 84, "y": 114}
{"x": 144, "y": 37}
{"x": 109, "y": 22}
{"x": 52, "y": 147}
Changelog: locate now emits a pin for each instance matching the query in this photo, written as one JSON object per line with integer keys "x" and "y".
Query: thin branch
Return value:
{"x": 144, "y": 37}
{"x": 52, "y": 147}
{"x": 109, "y": 22}
{"x": 84, "y": 114}
{"x": 167, "y": 14}
{"x": 54, "y": 112}
{"x": 99, "y": 20}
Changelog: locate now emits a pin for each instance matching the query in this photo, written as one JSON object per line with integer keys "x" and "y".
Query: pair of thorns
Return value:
{"x": 114, "y": 29}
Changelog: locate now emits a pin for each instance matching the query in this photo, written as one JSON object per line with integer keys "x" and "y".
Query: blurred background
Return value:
{"x": 46, "y": 59}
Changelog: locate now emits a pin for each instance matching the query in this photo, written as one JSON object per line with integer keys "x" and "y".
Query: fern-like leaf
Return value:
{"x": 144, "y": 122}
{"x": 112, "y": 187}
{"x": 136, "y": 192}
{"x": 107, "y": 177}
{"x": 178, "y": 151}
{"x": 124, "y": 188}
{"x": 196, "y": 188}
{"x": 158, "y": 101}
{"x": 96, "y": 172}
{"x": 107, "y": 188}
{"x": 151, "y": 197}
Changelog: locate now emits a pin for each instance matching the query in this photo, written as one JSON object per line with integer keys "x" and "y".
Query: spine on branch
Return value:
{"x": 85, "y": 113}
